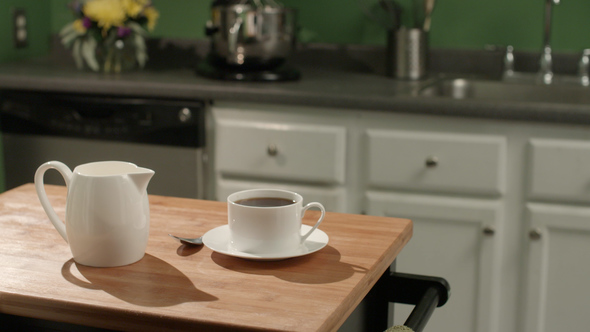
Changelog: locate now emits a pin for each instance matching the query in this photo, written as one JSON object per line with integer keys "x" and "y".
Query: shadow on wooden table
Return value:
{"x": 132, "y": 283}
{"x": 321, "y": 267}
{"x": 188, "y": 250}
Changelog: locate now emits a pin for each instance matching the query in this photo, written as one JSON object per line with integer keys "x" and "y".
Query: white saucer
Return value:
{"x": 218, "y": 240}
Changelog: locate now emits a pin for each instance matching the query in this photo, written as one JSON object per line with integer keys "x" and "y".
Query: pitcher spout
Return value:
{"x": 141, "y": 178}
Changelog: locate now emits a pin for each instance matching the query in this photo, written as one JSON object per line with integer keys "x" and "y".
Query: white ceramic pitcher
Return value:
{"x": 107, "y": 211}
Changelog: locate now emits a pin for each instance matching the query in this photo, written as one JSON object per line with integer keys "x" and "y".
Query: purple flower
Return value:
{"x": 86, "y": 22}
{"x": 123, "y": 32}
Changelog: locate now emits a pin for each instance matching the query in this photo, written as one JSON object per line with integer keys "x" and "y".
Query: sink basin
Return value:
{"x": 467, "y": 88}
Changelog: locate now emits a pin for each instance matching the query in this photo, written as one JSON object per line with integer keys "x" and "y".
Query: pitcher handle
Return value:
{"x": 305, "y": 208}
{"x": 39, "y": 186}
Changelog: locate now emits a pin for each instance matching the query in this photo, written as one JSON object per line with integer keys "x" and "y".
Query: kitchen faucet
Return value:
{"x": 546, "y": 63}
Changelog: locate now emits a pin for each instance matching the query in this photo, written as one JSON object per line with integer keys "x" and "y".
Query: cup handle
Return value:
{"x": 305, "y": 208}
{"x": 39, "y": 186}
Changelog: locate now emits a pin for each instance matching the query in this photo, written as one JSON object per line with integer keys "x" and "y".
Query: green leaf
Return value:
{"x": 77, "y": 53}
{"x": 68, "y": 39}
{"x": 135, "y": 27}
{"x": 89, "y": 53}
{"x": 140, "y": 51}
{"x": 67, "y": 29}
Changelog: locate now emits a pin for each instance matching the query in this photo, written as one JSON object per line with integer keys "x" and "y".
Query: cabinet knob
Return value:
{"x": 489, "y": 231}
{"x": 431, "y": 161}
{"x": 272, "y": 150}
{"x": 535, "y": 233}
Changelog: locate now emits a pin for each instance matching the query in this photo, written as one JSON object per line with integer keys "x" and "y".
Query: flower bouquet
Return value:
{"x": 109, "y": 35}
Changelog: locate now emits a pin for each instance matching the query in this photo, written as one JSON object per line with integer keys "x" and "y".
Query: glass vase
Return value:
{"x": 117, "y": 57}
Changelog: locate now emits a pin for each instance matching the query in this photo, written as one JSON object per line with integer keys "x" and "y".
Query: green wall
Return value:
{"x": 38, "y": 28}
{"x": 459, "y": 24}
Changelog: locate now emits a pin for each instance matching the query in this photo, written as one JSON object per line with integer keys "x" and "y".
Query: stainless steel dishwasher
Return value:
{"x": 166, "y": 135}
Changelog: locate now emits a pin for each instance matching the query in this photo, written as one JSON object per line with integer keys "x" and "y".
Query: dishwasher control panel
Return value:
{"x": 146, "y": 120}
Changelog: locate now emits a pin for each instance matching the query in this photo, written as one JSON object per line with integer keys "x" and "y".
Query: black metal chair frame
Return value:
{"x": 424, "y": 292}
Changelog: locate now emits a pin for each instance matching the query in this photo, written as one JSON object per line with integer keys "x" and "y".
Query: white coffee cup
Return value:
{"x": 268, "y": 229}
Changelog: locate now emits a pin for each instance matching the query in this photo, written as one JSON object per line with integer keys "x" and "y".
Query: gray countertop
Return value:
{"x": 350, "y": 86}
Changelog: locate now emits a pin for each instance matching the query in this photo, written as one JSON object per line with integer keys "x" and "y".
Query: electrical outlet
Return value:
{"x": 19, "y": 26}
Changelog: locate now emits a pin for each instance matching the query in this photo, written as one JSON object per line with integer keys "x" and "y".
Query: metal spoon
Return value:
{"x": 197, "y": 241}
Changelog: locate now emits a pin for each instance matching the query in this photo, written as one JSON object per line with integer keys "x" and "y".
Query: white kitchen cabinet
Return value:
{"x": 558, "y": 269}
{"x": 560, "y": 170}
{"x": 474, "y": 188}
{"x": 263, "y": 147}
{"x": 277, "y": 150}
{"x": 426, "y": 161}
{"x": 432, "y": 177}
{"x": 454, "y": 238}
{"x": 558, "y": 236}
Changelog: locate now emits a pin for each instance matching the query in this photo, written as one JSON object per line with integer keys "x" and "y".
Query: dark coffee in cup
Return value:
{"x": 268, "y": 221}
{"x": 265, "y": 201}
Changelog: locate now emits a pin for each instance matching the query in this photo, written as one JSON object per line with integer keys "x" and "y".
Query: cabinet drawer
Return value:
{"x": 559, "y": 170}
{"x": 455, "y": 163}
{"x": 283, "y": 151}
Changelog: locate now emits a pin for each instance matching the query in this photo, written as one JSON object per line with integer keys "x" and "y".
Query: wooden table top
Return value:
{"x": 177, "y": 287}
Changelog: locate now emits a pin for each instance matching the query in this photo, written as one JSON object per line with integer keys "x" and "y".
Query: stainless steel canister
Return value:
{"x": 248, "y": 36}
{"x": 411, "y": 53}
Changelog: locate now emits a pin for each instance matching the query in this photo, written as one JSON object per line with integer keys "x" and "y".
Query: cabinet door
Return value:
{"x": 558, "y": 275}
{"x": 457, "y": 239}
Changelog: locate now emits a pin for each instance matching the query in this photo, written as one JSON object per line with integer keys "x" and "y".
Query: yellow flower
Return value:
{"x": 134, "y": 7}
{"x": 152, "y": 16}
{"x": 79, "y": 26}
{"x": 107, "y": 13}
